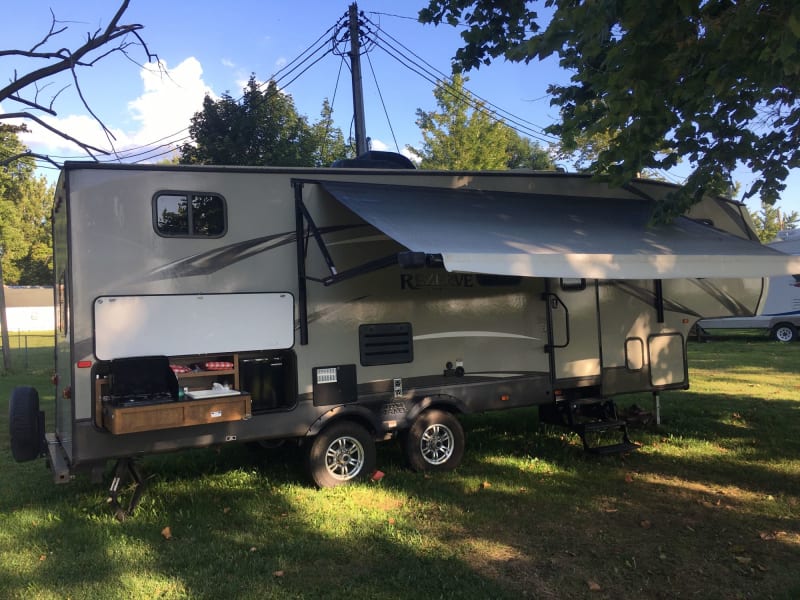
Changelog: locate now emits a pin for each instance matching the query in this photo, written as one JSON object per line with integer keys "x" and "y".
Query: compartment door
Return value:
{"x": 573, "y": 332}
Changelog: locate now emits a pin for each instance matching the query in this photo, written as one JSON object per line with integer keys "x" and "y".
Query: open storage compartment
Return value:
{"x": 148, "y": 393}
{"x": 270, "y": 379}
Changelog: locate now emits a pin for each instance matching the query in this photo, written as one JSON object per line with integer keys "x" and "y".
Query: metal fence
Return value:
{"x": 29, "y": 351}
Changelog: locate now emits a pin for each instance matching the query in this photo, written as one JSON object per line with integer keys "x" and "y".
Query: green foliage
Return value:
{"x": 522, "y": 153}
{"x": 25, "y": 204}
{"x": 463, "y": 136}
{"x": 711, "y": 82}
{"x": 707, "y": 508}
{"x": 770, "y": 220}
{"x": 263, "y": 128}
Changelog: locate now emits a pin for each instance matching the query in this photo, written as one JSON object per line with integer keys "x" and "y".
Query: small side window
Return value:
{"x": 189, "y": 214}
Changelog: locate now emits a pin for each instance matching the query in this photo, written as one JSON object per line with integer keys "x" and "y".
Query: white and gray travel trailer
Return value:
{"x": 199, "y": 306}
{"x": 780, "y": 317}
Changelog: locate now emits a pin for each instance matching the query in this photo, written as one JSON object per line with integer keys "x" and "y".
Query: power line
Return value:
{"x": 374, "y": 37}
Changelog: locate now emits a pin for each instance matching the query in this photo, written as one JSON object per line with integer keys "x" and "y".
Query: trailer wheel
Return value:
{"x": 342, "y": 453}
{"x": 25, "y": 424}
{"x": 435, "y": 442}
{"x": 784, "y": 332}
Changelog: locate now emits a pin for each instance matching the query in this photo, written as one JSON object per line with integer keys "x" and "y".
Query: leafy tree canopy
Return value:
{"x": 462, "y": 135}
{"x": 711, "y": 81}
{"x": 25, "y": 203}
{"x": 770, "y": 220}
{"x": 263, "y": 128}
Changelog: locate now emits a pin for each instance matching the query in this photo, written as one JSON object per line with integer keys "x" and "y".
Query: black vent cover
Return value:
{"x": 385, "y": 344}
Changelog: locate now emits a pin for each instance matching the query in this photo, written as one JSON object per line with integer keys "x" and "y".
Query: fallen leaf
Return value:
{"x": 277, "y": 574}
{"x": 378, "y": 475}
{"x": 253, "y": 548}
{"x": 166, "y": 533}
{"x": 761, "y": 568}
{"x": 743, "y": 560}
{"x": 628, "y": 478}
{"x": 485, "y": 485}
{"x": 594, "y": 586}
{"x": 226, "y": 510}
{"x": 645, "y": 524}
{"x": 43, "y": 557}
{"x": 391, "y": 521}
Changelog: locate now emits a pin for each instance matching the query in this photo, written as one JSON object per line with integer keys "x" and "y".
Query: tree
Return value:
{"x": 26, "y": 90}
{"x": 522, "y": 153}
{"x": 25, "y": 203}
{"x": 463, "y": 135}
{"x": 263, "y": 128}
{"x": 770, "y": 220}
{"x": 714, "y": 82}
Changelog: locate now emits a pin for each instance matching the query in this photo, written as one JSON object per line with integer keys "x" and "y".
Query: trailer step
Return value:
{"x": 598, "y": 426}
{"x": 590, "y": 418}
{"x": 603, "y": 426}
{"x": 621, "y": 448}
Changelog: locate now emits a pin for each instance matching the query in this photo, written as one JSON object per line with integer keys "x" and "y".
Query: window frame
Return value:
{"x": 189, "y": 195}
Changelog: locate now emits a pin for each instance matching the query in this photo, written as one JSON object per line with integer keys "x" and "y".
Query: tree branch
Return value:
{"x": 8, "y": 160}
{"x": 24, "y": 115}
{"x": 69, "y": 60}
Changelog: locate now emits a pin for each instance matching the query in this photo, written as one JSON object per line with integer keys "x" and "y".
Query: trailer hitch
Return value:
{"x": 125, "y": 469}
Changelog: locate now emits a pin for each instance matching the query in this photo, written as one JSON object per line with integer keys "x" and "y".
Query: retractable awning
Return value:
{"x": 536, "y": 235}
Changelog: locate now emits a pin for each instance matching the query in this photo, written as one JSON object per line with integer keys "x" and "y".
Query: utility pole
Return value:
{"x": 358, "y": 92}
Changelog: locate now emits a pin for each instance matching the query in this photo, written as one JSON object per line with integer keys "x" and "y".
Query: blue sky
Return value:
{"x": 212, "y": 47}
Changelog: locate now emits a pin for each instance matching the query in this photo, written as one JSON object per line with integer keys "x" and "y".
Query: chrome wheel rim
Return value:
{"x": 784, "y": 334}
{"x": 437, "y": 444}
{"x": 344, "y": 458}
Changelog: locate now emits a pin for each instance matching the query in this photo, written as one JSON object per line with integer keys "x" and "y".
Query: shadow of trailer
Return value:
{"x": 201, "y": 306}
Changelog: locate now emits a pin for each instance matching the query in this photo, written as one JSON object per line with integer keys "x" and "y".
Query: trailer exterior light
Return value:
{"x": 505, "y": 398}
{"x": 84, "y": 364}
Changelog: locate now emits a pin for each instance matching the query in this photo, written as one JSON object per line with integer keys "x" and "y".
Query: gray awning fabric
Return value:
{"x": 532, "y": 235}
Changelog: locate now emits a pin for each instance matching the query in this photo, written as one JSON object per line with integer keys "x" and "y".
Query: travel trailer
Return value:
{"x": 201, "y": 306}
{"x": 780, "y": 317}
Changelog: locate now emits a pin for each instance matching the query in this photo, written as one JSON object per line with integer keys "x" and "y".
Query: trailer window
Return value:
{"x": 189, "y": 214}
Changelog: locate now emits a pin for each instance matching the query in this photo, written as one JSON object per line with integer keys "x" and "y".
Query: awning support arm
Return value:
{"x": 368, "y": 267}
{"x": 302, "y": 291}
{"x": 659, "y": 300}
{"x": 312, "y": 227}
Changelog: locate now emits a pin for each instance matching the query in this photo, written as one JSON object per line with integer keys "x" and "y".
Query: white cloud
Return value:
{"x": 228, "y": 63}
{"x": 281, "y": 62}
{"x": 169, "y": 99}
{"x": 377, "y": 145}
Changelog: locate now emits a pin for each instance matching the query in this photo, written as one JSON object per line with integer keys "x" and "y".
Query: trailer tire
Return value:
{"x": 784, "y": 332}
{"x": 25, "y": 424}
{"x": 435, "y": 442}
{"x": 342, "y": 453}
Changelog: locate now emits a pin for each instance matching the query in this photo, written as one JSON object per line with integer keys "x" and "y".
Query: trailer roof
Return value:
{"x": 536, "y": 235}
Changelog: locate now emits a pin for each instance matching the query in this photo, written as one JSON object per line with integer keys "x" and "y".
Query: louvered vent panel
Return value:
{"x": 385, "y": 344}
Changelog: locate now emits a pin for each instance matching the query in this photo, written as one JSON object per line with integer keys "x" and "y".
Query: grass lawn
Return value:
{"x": 708, "y": 508}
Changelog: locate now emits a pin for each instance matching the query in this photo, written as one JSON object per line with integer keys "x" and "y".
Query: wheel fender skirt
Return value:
{"x": 354, "y": 412}
{"x": 442, "y": 401}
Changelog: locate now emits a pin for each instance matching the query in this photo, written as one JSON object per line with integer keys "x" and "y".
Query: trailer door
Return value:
{"x": 573, "y": 332}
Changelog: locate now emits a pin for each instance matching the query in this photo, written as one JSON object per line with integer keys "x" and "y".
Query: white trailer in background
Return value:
{"x": 200, "y": 306}
{"x": 780, "y": 315}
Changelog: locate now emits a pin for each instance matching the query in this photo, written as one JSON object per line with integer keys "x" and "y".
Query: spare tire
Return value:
{"x": 25, "y": 424}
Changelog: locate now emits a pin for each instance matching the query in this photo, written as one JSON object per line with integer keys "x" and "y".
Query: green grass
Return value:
{"x": 708, "y": 508}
